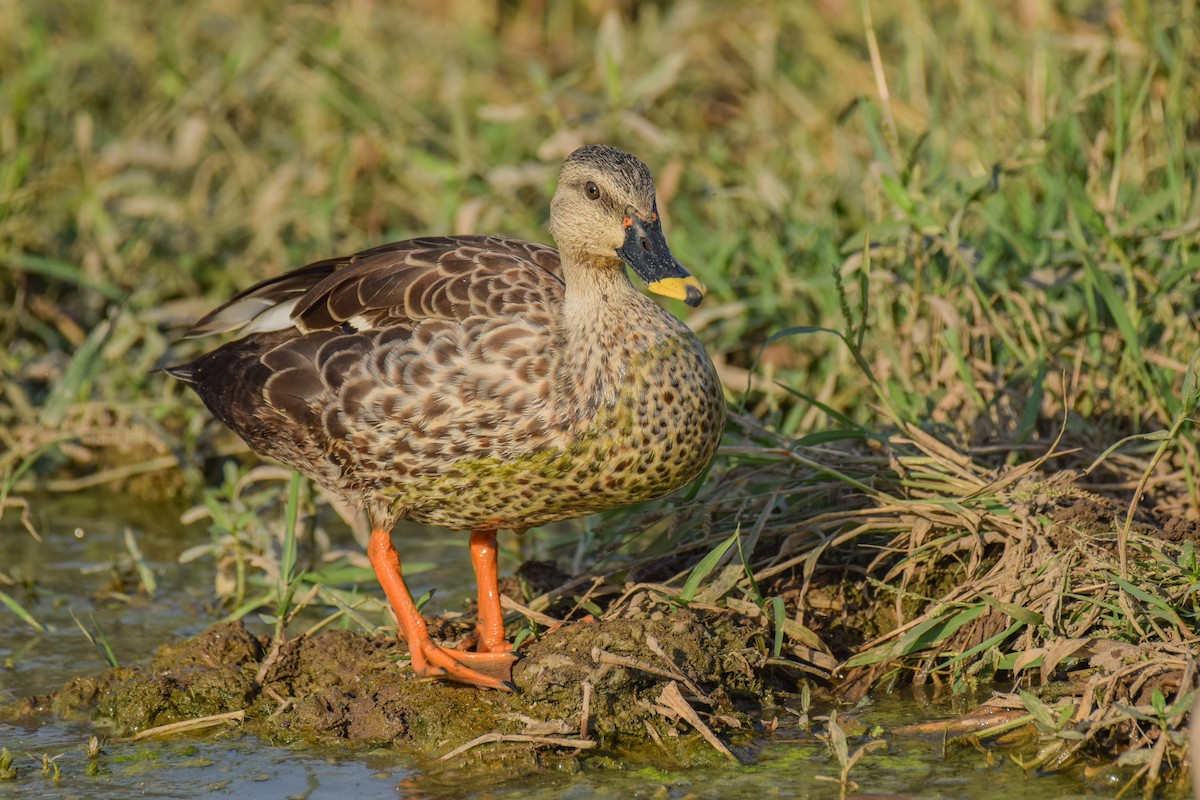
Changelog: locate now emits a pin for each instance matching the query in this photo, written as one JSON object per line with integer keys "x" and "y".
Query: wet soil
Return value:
{"x": 1076, "y": 512}
{"x": 346, "y": 688}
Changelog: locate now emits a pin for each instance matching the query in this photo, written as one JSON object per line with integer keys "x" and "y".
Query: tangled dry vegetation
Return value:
{"x": 1024, "y": 576}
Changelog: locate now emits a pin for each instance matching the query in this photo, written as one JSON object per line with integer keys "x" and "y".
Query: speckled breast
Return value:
{"x": 660, "y": 433}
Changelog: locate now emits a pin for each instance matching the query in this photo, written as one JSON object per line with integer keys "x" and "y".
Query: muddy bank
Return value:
{"x": 965, "y": 581}
{"x": 622, "y": 686}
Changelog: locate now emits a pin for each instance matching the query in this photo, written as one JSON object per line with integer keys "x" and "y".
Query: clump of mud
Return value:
{"x": 595, "y": 687}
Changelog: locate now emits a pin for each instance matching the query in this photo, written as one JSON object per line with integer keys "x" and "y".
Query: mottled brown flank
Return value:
{"x": 466, "y": 379}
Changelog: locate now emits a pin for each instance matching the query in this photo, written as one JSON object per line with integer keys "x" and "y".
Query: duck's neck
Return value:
{"x": 606, "y": 324}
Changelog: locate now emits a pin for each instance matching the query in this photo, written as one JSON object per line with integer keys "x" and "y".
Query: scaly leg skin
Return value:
{"x": 492, "y": 670}
{"x": 489, "y": 632}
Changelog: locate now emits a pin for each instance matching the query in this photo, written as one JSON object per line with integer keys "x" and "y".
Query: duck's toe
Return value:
{"x": 487, "y": 670}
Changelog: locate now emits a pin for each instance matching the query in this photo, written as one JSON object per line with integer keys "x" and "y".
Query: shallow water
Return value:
{"x": 71, "y": 571}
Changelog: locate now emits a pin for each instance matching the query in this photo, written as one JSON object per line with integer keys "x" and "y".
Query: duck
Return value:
{"x": 478, "y": 383}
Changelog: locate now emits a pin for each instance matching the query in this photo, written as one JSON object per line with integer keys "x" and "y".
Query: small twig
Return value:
{"x": 676, "y": 673}
{"x": 488, "y": 738}
{"x": 26, "y": 513}
{"x": 541, "y": 619}
{"x": 269, "y": 661}
{"x": 653, "y": 733}
{"x": 350, "y": 611}
{"x": 303, "y": 602}
{"x": 284, "y": 703}
{"x": 596, "y": 582}
{"x": 540, "y": 727}
{"x": 585, "y": 710}
{"x": 612, "y": 659}
{"x": 188, "y": 725}
{"x": 672, "y": 698}
{"x": 615, "y": 608}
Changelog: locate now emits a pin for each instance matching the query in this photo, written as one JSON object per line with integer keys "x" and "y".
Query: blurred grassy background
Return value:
{"x": 995, "y": 201}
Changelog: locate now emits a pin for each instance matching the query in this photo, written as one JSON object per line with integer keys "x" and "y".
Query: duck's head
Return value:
{"x": 604, "y": 210}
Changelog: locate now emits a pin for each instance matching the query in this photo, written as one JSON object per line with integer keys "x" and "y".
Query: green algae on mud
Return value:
{"x": 347, "y": 688}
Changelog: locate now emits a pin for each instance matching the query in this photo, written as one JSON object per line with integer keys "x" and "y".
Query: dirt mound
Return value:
{"x": 594, "y": 686}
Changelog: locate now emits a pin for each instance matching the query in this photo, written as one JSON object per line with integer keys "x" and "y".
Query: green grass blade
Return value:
{"x": 921, "y": 637}
{"x": 705, "y": 567}
{"x": 778, "y": 619}
{"x": 145, "y": 573}
{"x": 20, "y": 611}
{"x": 1154, "y": 436}
{"x": 97, "y": 638}
{"x": 1015, "y": 612}
{"x": 1162, "y": 609}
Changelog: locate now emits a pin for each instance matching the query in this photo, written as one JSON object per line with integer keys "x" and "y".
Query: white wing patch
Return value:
{"x": 276, "y": 318}
{"x": 361, "y": 322}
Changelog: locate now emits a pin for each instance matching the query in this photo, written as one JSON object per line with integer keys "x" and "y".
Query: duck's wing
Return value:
{"x": 451, "y": 277}
{"x": 408, "y": 355}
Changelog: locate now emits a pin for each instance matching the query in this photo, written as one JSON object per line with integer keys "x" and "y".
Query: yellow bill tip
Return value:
{"x": 689, "y": 289}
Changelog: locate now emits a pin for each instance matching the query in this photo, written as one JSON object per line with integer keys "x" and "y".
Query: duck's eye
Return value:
{"x": 593, "y": 191}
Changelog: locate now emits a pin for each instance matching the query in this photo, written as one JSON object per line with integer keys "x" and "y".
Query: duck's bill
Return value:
{"x": 646, "y": 251}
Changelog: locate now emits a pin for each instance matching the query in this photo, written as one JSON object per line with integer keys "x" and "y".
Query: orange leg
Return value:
{"x": 488, "y": 669}
{"x": 489, "y": 633}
